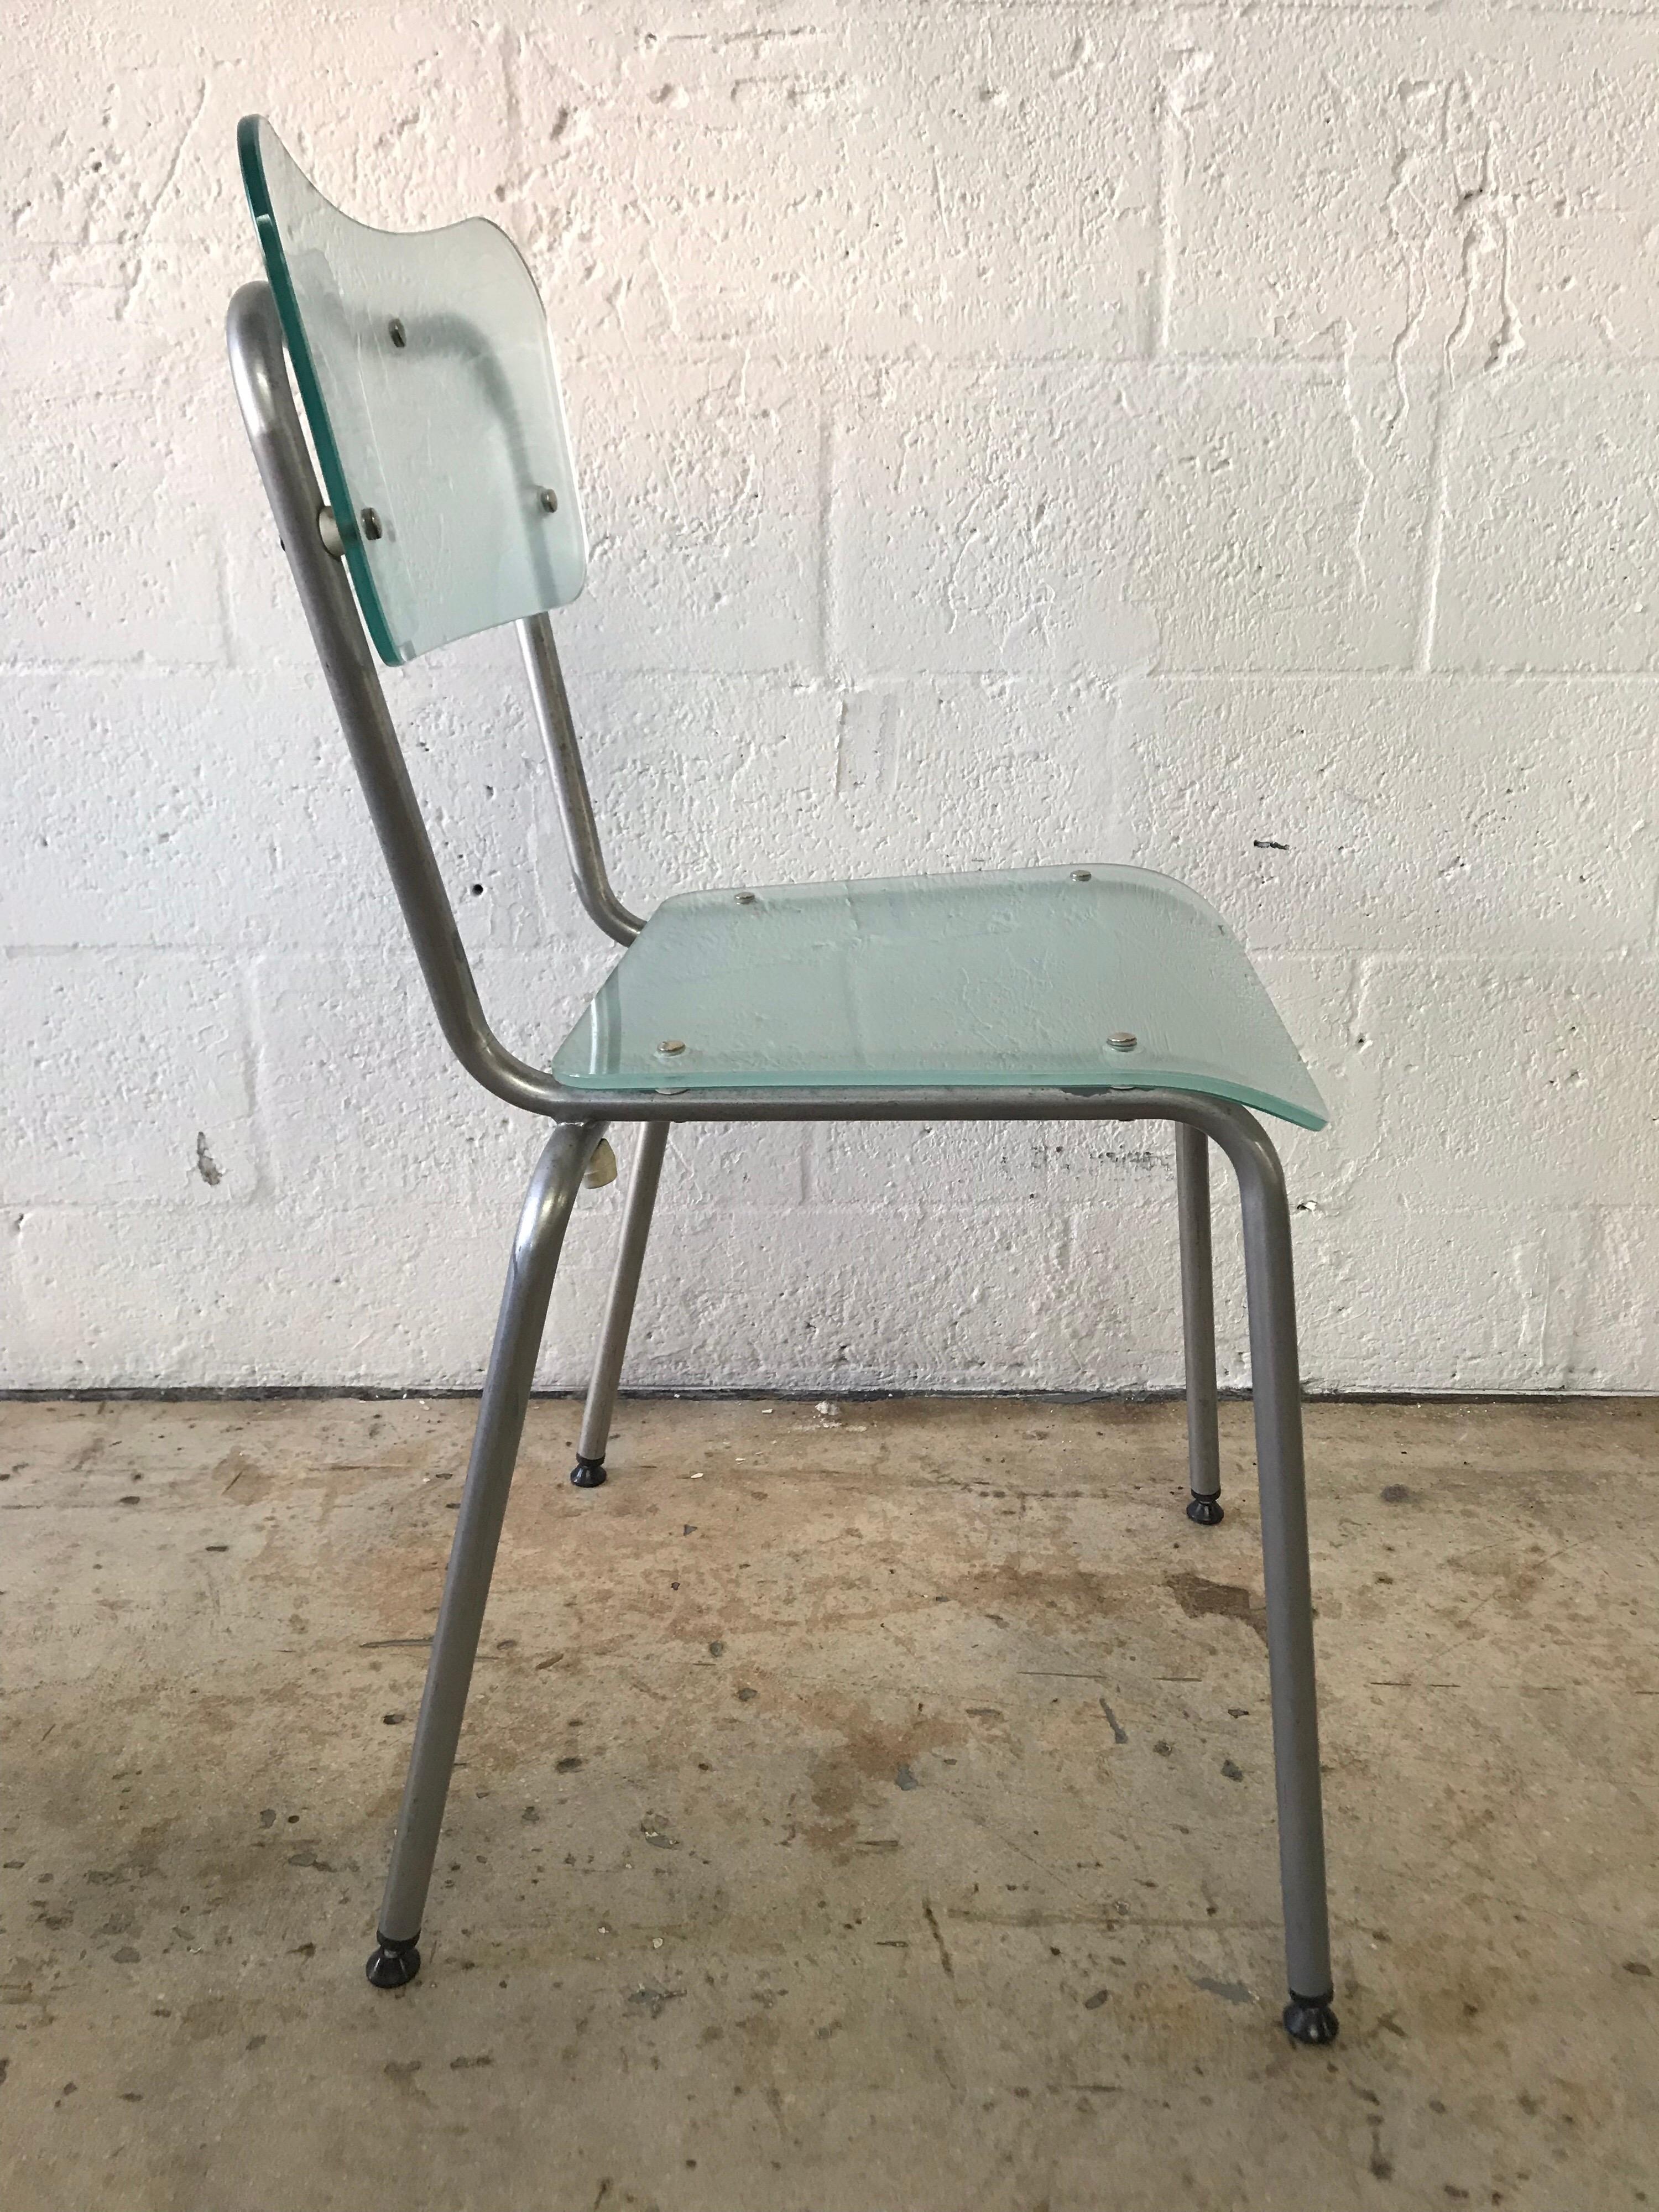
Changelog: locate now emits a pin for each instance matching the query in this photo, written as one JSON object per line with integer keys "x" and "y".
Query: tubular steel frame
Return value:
{"x": 259, "y": 369}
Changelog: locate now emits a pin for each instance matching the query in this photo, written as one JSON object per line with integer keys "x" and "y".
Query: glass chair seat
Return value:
{"x": 1083, "y": 977}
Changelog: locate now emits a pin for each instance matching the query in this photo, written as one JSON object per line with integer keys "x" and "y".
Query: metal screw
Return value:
{"x": 745, "y": 898}
{"x": 1123, "y": 1040}
{"x": 371, "y": 522}
{"x": 550, "y": 502}
{"x": 671, "y": 1045}
{"x": 1082, "y": 875}
{"x": 397, "y": 333}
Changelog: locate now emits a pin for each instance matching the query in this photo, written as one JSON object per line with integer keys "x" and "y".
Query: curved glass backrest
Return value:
{"x": 427, "y": 377}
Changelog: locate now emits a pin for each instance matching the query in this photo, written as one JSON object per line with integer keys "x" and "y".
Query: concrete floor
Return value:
{"x": 867, "y": 1810}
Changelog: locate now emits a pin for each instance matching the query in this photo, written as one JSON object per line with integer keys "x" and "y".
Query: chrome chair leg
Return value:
{"x": 536, "y": 1248}
{"x": 1198, "y": 1324}
{"x": 1276, "y": 1389}
{"x": 589, "y": 1470}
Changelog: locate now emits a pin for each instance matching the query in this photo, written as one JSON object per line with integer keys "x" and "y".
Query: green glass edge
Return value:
{"x": 1241, "y": 1094}
{"x": 311, "y": 395}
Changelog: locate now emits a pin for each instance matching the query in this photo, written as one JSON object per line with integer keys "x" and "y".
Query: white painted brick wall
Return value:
{"x": 1221, "y": 439}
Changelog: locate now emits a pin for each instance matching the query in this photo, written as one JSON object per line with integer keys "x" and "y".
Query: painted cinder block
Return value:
{"x": 126, "y": 1081}
{"x": 1458, "y": 184}
{"x": 1520, "y": 1075}
{"x": 1547, "y": 505}
{"x": 1108, "y": 521}
{"x": 1007, "y": 436}
{"x": 1446, "y": 816}
{"x": 871, "y": 182}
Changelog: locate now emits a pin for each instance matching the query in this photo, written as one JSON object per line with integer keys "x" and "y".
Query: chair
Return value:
{"x": 1071, "y": 993}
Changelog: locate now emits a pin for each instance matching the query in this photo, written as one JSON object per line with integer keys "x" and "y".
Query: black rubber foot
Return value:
{"x": 392, "y": 1963}
{"x": 1206, "y": 1511}
{"x": 587, "y": 1473}
{"x": 1310, "y": 2020}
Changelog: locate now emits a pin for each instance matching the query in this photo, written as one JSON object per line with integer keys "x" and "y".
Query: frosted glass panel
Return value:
{"x": 428, "y": 380}
{"x": 1088, "y": 977}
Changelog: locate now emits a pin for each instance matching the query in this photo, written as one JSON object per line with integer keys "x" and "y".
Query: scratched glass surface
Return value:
{"x": 428, "y": 383}
{"x": 1090, "y": 977}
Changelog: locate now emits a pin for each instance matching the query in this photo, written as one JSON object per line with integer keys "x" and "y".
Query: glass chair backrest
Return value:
{"x": 428, "y": 383}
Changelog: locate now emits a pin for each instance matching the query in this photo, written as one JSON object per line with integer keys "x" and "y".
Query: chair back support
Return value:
{"x": 428, "y": 384}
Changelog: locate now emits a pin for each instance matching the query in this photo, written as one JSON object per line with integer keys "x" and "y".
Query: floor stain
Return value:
{"x": 1199, "y": 1599}
{"x": 182, "y": 1731}
{"x": 855, "y": 1773}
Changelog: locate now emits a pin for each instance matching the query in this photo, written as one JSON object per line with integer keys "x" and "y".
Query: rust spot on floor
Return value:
{"x": 856, "y": 1774}
{"x": 1052, "y": 1588}
{"x": 1199, "y": 1599}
